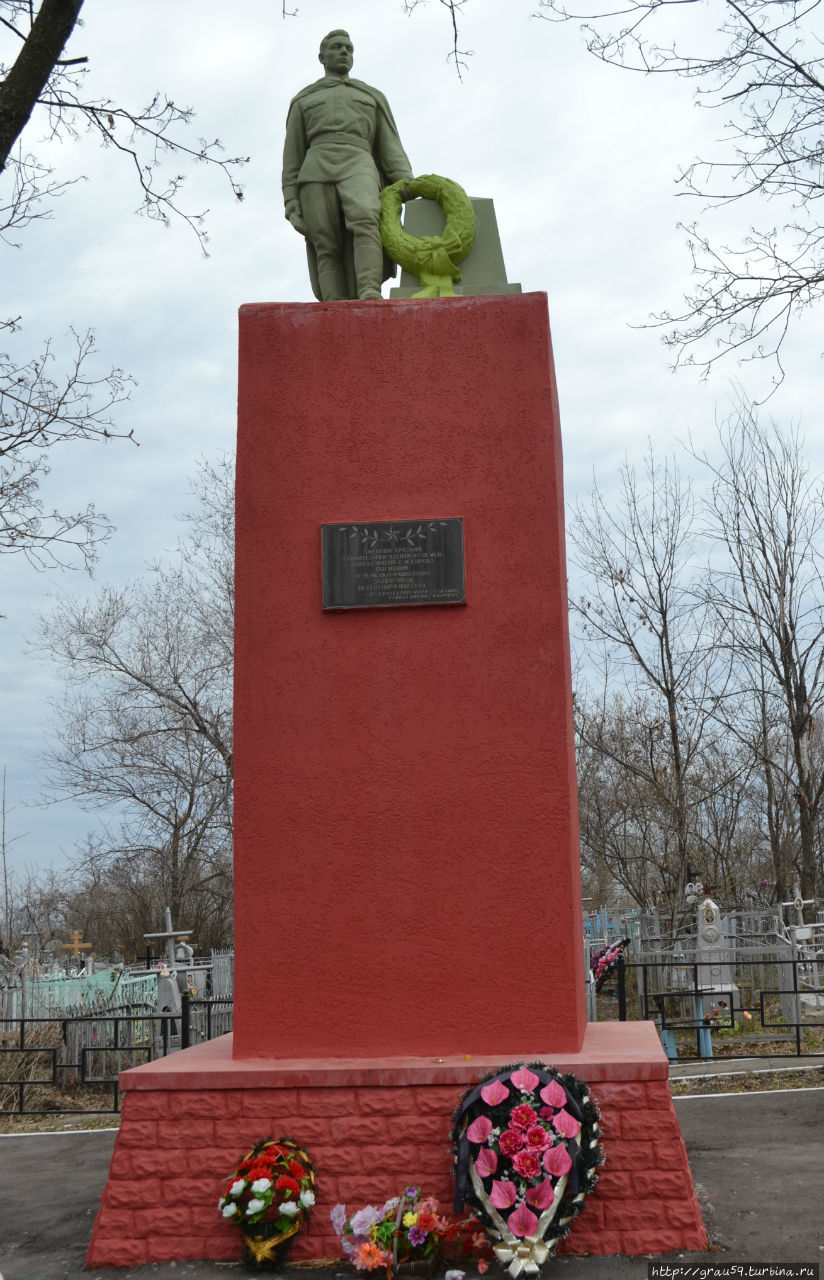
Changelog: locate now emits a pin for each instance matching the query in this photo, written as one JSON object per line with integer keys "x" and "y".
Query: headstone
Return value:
{"x": 715, "y": 976}
{"x": 223, "y": 973}
{"x": 681, "y": 975}
{"x": 693, "y": 892}
{"x": 797, "y": 905}
{"x": 168, "y": 994}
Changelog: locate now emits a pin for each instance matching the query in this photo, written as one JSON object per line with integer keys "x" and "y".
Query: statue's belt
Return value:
{"x": 336, "y": 139}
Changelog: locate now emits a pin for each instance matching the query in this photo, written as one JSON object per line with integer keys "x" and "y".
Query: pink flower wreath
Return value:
{"x": 527, "y": 1152}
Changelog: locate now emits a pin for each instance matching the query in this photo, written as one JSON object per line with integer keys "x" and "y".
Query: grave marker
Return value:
{"x": 75, "y": 945}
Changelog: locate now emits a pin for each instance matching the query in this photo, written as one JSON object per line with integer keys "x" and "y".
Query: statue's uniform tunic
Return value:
{"x": 341, "y": 146}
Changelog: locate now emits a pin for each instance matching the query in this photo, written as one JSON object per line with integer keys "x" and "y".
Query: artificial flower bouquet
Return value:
{"x": 405, "y": 1229}
{"x": 408, "y": 1231}
{"x": 464, "y": 1238}
{"x": 603, "y": 963}
{"x": 270, "y": 1196}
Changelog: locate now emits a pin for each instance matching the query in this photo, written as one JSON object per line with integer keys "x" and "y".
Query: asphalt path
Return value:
{"x": 757, "y": 1160}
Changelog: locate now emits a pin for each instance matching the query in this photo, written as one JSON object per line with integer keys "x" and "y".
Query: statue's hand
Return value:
{"x": 293, "y": 215}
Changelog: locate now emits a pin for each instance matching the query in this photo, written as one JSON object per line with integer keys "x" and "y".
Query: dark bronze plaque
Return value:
{"x": 393, "y": 562}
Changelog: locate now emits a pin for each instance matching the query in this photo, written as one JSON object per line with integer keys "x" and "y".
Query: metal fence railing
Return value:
{"x": 56, "y": 1064}
{"x": 760, "y": 1009}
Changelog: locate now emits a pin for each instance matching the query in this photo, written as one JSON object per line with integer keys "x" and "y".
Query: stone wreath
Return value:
{"x": 433, "y": 259}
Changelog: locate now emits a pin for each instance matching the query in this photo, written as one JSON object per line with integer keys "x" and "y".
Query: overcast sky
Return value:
{"x": 579, "y": 158}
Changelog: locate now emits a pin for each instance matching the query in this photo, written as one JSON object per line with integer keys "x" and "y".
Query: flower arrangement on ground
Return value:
{"x": 603, "y": 963}
{"x": 270, "y": 1196}
{"x": 527, "y": 1150}
{"x": 408, "y": 1229}
{"x": 464, "y": 1239}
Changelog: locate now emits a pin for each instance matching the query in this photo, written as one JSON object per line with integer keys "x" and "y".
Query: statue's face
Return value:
{"x": 337, "y": 56}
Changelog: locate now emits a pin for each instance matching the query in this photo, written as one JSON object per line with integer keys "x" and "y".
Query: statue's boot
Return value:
{"x": 331, "y": 277}
{"x": 368, "y": 256}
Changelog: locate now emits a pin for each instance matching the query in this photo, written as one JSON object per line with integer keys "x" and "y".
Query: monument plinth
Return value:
{"x": 405, "y": 792}
{"x": 407, "y": 897}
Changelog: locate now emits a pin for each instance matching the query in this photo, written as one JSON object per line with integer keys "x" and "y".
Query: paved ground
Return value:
{"x": 757, "y": 1161}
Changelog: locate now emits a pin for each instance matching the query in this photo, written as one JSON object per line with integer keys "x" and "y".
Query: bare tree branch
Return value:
{"x": 454, "y": 8}
{"x": 22, "y": 86}
{"x": 41, "y": 80}
{"x": 644, "y": 631}
{"x": 40, "y": 410}
{"x": 765, "y": 65}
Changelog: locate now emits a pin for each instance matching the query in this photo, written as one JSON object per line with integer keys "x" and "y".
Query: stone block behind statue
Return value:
{"x": 341, "y": 147}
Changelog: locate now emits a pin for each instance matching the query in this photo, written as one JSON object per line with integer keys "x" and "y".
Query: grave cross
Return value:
{"x": 168, "y": 936}
{"x": 75, "y": 945}
{"x": 799, "y": 903}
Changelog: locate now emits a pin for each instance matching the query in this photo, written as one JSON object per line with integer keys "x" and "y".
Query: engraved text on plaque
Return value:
{"x": 399, "y": 562}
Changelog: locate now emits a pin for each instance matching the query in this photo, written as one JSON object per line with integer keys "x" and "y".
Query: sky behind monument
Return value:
{"x": 579, "y": 158}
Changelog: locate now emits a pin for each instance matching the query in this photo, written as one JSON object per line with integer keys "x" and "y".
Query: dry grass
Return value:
{"x": 749, "y": 1081}
{"x": 57, "y": 1102}
{"x": 58, "y": 1122}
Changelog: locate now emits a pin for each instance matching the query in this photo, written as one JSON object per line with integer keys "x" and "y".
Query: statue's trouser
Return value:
{"x": 326, "y": 208}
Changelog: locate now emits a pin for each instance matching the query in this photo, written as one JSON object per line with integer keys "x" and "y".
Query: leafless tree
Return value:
{"x": 643, "y": 629}
{"x": 144, "y": 731}
{"x": 43, "y": 905}
{"x": 753, "y": 726}
{"x": 732, "y": 853}
{"x": 764, "y": 70}
{"x": 8, "y": 940}
{"x": 454, "y": 9}
{"x": 627, "y": 834}
{"x": 767, "y": 593}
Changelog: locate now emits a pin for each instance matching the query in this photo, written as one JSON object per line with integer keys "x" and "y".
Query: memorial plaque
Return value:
{"x": 378, "y": 565}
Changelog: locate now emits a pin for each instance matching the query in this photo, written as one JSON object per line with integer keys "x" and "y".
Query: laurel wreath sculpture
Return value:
{"x": 433, "y": 259}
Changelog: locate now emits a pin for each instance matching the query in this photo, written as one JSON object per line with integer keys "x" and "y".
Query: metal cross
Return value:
{"x": 169, "y": 936}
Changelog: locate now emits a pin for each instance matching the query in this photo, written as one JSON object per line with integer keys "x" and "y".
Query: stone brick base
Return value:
{"x": 371, "y": 1128}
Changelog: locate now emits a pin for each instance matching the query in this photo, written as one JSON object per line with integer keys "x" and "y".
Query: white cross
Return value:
{"x": 799, "y": 903}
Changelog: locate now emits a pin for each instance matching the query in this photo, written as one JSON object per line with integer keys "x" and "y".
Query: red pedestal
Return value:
{"x": 408, "y": 908}
{"x": 406, "y": 825}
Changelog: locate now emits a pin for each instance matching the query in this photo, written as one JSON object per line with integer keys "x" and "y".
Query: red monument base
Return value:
{"x": 372, "y": 1127}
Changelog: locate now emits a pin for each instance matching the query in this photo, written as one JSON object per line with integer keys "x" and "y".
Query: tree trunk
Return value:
{"x": 806, "y": 822}
{"x": 29, "y": 75}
